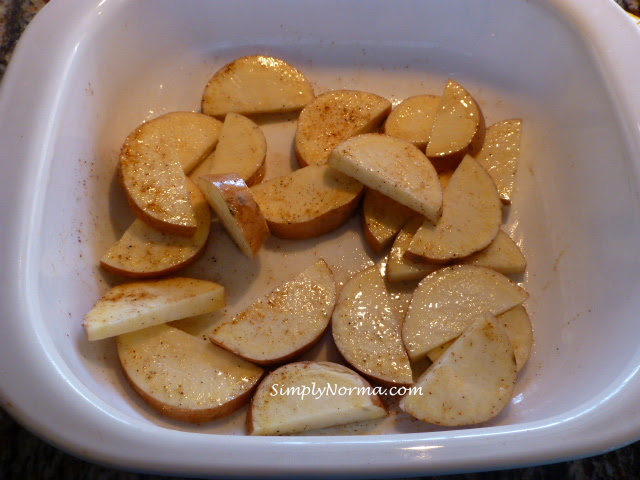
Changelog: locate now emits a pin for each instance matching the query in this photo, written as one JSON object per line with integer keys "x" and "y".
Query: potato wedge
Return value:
{"x": 256, "y": 84}
{"x": 367, "y": 331}
{"x": 458, "y": 127}
{"x": 286, "y": 322}
{"x": 308, "y": 202}
{"x": 471, "y": 218}
{"x": 144, "y": 252}
{"x": 333, "y": 117}
{"x": 153, "y": 162}
{"x": 383, "y": 219}
{"x": 183, "y": 377}
{"x": 133, "y": 306}
{"x": 499, "y": 155}
{"x": 399, "y": 268}
{"x": 502, "y": 255}
{"x": 471, "y": 383}
{"x": 242, "y": 149}
{"x": 412, "y": 119}
{"x": 304, "y": 396}
{"x": 236, "y": 208}
{"x": 517, "y": 324}
{"x": 448, "y": 301}
{"x": 394, "y": 167}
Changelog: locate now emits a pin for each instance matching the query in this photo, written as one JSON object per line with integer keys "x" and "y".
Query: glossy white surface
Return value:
{"x": 86, "y": 73}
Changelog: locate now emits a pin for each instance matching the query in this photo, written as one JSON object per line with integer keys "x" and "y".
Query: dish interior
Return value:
{"x": 573, "y": 212}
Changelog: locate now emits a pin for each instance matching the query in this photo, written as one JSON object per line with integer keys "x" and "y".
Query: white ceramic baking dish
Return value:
{"x": 86, "y": 72}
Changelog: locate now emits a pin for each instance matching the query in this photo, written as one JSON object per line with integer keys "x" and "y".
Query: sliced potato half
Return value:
{"x": 395, "y": 168}
{"x": 242, "y": 149}
{"x": 153, "y": 162}
{"x": 412, "y": 119}
{"x": 458, "y": 127}
{"x": 333, "y": 117}
{"x": 308, "y": 202}
{"x": 288, "y": 400}
{"x": 183, "y": 377}
{"x": 471, "y": 383}
{"x": 236, "y": 208}
{"x": 383, "y": 219}
{"x": 256, "y": 84}
{"x": 367, "y": 331}
{"x": 143, "y": 251}
{"x": 499, "y": 155}
{"x": 471, "y": 218}
{"x": 502, "y": 255}
{"x": 448, "y": 301}
{"x": 286, "y": 322}
{"x": 399, "y": 267}
{"x": 133, "y": 306}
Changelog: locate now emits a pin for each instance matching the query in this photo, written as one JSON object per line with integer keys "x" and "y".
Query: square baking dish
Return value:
{"x": 86, "y": 73}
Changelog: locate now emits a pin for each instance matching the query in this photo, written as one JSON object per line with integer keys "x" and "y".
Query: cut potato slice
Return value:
{"x": 394, "y": 167}
{"x": 306, "y": 396}
{"x": 183, "y": 377}
{"x": 143, "y": 251}
{"x": 286, "y": 322}
{"x": 333, "y": 117}
{"x": 448, "y": 301}
{"x": 471, "y": 218}
{"x": 471, "y": 383}
{"x": 236, "y": 208}
{"x": 517, "y": 324}
{"x": 256, "y": 84}
{"x": 242, "y": 149}
{"x": 383, "y": 219}
{"x": 133, "y": 306}
{"x": 399, "y": 268}
{"x": 412, "y": 119}
{"x": 308, "y": 202}
{"x": 153, "y": 162}
{"x": 458, "y": 127}
{"x": 367, "y": 331}
{"x": 502, "y": 255}
{"x": 499, "y": 155}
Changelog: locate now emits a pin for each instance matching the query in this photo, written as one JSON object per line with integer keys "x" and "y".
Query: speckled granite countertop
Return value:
{"x": 25, "y": 456}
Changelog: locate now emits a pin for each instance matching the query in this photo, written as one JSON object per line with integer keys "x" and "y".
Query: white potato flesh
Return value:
{"x": 399, "y": 267}
{"x": 502, "y": 255}
{"x": 288, "y": 401}
{"x": 133, "y": 306}
{"x": 183, "y": 377}
{"x": 256, "y": 84}
{"x": 448, "y": 301}
{"x": 367, "y": 331}
{"x": 383, "y": 219}
{"x": 470, "y": 383}
{"x": 412, "y": 119}
{"x": 517, "y": 324}
{"x": 308, "y": 202}
{"x": 499, "y": 155}
{"x": 393, "y": 167}
{"x": 233, "y": 203}
{"x": 242, "y": 149}
{"x": 457, "y": 122}
{"x": 284, "y": 323}
{"x": 333, "y": 117}
{"x": 143, "y": 251}
{"x": 471, "y": 217}
{"x": 153, "y": 162}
